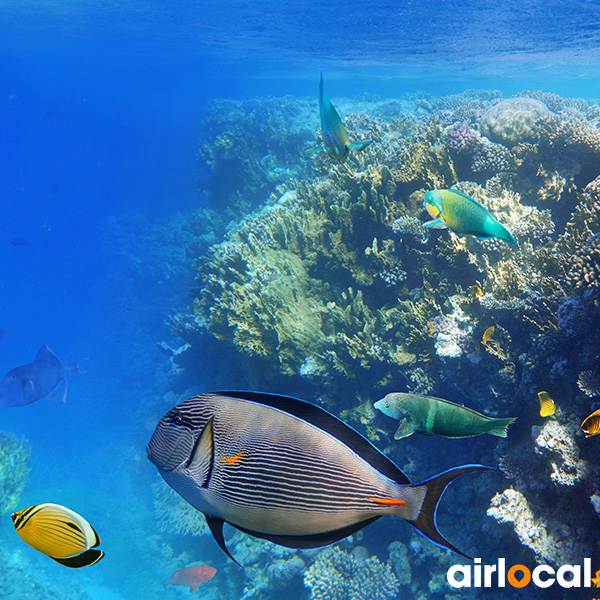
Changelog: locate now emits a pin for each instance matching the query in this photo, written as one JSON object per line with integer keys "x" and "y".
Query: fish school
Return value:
{"x": 519, "y": 576}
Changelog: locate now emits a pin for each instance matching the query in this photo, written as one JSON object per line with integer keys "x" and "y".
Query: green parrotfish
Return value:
{"x": 335, "y": 141}
{"x": 287, "y": 471}
{"x": 461, "y": 214}
{"x": 426, "y": 414}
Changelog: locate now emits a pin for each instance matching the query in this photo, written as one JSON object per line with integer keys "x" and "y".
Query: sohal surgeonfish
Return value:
{"x": 287, "y": 471}
{"x": 426, "y": 414}
{"x": 591, "y": 425}
{"x": 43, "y": 378}
{"x": 192, "y": 576}
{"x": 335, "y": 141}
{"x": 458, "y": 212}
{"x": 60, "y": 533}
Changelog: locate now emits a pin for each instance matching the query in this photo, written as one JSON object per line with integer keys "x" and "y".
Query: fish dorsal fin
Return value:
{"x": 327, "y": 422}
{"x": 216, "y": 528}
{"x": 201, "y": 460}
{"x": 405, "y": 428}
{"x": 46, "y": 355}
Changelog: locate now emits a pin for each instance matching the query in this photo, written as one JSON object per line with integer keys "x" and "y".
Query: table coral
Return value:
{"x": 339, "y": 575}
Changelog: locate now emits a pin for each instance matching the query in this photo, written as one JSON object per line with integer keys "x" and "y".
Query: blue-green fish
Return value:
{"x": 426, "y": 414}
{"x": 43, "y": 378}
{"x": 333, "y": 131}
{"x": 286, "y": 471}
{"x": 463, "y": 215}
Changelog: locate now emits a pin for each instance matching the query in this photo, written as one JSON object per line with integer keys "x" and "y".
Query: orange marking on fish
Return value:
{"x": 236, "y": 459}
{"x": 390, "y": 501}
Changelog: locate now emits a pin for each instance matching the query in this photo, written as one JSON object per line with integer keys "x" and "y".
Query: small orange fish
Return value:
{"x": 192, "y": 576}
{"x": 487, "y": 334}
{"x": 547, "y": 407}
{"x": 591, "y": 426}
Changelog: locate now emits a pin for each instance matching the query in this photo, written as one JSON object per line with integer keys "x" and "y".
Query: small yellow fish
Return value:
{"x": 547, "y": 407}
{"x": 591, "y": 426}
{"x": 475, "y": 290}
{"x": 487, "y": 334}
{"x": 60, "y": 533}
{"x": 430, "y": 327}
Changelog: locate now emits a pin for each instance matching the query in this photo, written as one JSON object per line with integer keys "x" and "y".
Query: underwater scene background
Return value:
{"x": 161, "y": 219}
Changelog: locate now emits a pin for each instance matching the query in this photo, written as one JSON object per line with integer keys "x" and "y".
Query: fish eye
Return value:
{"x": 177, "y": 419}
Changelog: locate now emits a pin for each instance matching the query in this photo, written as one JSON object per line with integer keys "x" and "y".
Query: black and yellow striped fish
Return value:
{"x": 286, "y": 471}
{"x": 60, "y": 533}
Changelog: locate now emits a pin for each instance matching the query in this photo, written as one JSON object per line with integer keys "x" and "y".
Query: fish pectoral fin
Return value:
{"x": 313, "y": 150}
{"x": 358, "y": 146}
{"x": 28, "y": 387}
{"x": 59, "y": 394}
{"x": 405, "y": 428}
{"x": 436, "y": 224}
{"x": 216, "y": 528}
{"x": 201, "y": 460}
{"x": 85, "y": 559}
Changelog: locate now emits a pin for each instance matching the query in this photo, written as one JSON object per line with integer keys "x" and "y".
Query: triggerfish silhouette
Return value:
{"x": 333, "y": 131}
{"x": 458, "y": 212}
{"x": 426, "y": 414}
{"x": 192, "y": 576}
{"x": 43, "y": 378}
{"x": 60, "y": 533}
{"x": 300, "y": 477}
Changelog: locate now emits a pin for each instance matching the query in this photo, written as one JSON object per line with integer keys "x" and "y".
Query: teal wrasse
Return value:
{"x": 426, "y": 414}
{"x": 461, "y": 214}
{"x": 60, "y": 533}
{"x": 335, "y": 141}
{"x": 287, "y": 471}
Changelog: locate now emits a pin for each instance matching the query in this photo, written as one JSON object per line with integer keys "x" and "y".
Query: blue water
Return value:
{"x": 100, "y": 112}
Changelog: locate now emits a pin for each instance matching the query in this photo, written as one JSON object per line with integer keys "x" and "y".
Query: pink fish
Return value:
{"x": 192, "y": 576}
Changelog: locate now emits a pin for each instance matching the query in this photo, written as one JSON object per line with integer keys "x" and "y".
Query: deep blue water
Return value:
{"x": 100, "y": 107}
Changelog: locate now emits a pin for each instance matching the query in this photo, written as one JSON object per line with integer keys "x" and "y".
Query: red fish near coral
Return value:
{"x": 192, "y": 576}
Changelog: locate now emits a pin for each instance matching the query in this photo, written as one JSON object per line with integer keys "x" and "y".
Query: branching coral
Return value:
{"x": 339, "y": 575}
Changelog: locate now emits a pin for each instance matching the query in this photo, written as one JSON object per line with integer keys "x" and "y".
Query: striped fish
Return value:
{"x": 60, "y": 533}
{"x": 591, "y": 425}
{"x": 458, "y": 212}
{"x": 286, "y": 471}
{"x": 335, "y": 141}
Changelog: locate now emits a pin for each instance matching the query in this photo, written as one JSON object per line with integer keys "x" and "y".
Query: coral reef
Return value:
{"x": 14, "y": 454}
{"x": 340, "y": 575}
{"x": 555, "y": 543}
{"x": 174, "y": 515}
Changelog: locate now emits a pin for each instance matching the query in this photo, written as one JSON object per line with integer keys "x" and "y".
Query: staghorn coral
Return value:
{"x": 339, "y": 575}
{"x": 14, "y": 454}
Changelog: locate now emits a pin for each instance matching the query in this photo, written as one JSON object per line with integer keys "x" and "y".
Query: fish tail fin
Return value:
{"x": 73, "y": 369}
{"x": 434, "y": 489}
{"x": 358, "y": 146}
{"x": 499, "y": 427}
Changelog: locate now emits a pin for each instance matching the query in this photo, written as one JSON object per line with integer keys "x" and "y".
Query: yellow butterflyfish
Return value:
{"x": 487, "y": 334}
{"x": 475, "y": 290}
{"x": 591, "y": 426}
{"x": 547, "y": 407}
